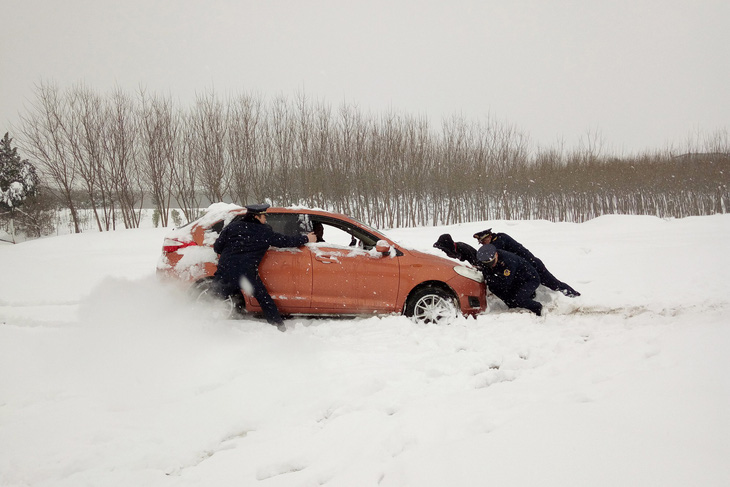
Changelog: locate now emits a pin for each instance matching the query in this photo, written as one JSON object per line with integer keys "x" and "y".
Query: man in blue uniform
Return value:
{"x": 502, "y": 241}
{"x": 241, "y": 246}
{"x": 511, "y": 278}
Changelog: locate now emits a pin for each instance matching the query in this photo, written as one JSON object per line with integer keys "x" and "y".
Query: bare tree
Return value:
{"x": 281, "y": 155}
{"x": 120, "y": 144}
{"x": 389, "y": 169}
{"x": 245, "y": 141}
{"x": 85, "y": 133}
{"x": 160, "y": 126}
{"x": 185, "y": 176}
{"x": 207, "y": 141}
{"x": 43, "y": 138}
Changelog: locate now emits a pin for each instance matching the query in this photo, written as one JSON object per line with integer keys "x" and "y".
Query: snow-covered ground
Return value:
{"x": 109, "y": 378}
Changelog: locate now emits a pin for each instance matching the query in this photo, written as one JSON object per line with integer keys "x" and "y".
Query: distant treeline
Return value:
{"x": 114, "y": 154}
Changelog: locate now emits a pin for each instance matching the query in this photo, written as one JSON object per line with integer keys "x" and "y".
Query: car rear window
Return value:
{"x": 217, "y": 227}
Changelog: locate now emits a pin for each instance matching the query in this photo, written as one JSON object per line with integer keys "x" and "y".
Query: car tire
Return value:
{"x": 202, "y": 292}
{"x": 431, "y": 304}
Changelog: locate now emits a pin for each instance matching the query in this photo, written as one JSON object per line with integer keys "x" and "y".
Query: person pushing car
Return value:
{"x": 240, "y": 247}
{"x": 510, "y": 277}
{"x": 502, "y": 241}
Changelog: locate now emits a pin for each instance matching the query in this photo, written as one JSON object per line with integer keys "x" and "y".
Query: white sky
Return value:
{"x": 643, "y": 74}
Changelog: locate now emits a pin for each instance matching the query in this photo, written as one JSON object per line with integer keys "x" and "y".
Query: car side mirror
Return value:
{"x": 382, "y": 246}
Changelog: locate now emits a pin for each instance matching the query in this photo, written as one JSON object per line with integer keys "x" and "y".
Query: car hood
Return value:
{"x": 432, "y": 259}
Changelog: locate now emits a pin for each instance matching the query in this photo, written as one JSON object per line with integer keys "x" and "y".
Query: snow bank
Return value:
{"x": 108, "y": 377}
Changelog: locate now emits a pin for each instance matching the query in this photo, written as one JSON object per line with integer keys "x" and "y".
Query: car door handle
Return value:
{"x": 325, "y": 260}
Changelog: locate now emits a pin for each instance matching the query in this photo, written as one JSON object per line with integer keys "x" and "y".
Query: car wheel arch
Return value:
{"x": 428, "y": 285}
{"x": 202, "y": 290}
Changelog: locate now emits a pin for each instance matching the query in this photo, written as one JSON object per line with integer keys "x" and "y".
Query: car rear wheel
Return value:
{"x": 432, "y": 305}
{"x": 204, "y": 293}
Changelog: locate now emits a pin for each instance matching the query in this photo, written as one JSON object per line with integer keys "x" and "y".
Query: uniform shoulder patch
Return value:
{"x": 507, "y": 272}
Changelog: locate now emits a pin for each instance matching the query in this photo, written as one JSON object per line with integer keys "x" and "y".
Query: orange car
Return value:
{"x": 356, "y": 269}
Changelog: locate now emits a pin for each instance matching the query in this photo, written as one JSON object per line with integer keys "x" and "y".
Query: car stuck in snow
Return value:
{"x": 354, "y": 270}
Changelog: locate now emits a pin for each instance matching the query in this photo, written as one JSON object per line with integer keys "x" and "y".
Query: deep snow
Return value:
{"x": 109, "y": 378}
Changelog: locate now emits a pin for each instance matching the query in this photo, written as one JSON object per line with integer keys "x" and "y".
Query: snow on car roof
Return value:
{"x": 212, "y": 214}
{"x": 219, "y": 211}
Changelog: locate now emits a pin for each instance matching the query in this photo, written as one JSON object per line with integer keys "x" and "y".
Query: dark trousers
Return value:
{"x": 230, "y": 286}
{"x": 547, "y": 279}
{"x": 271, "y": 312}
{"x": 522, "y": 296}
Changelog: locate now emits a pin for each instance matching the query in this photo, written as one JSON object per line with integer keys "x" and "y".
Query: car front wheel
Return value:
{"x": 432, "y": 305}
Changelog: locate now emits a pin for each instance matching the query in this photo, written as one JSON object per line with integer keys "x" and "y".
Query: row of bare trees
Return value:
{"x": 126, "y": 152}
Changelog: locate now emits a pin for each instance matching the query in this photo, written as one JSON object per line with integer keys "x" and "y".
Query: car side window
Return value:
{"x": 342, "y": 233}
{"x": 332, "y": 235}
{"x": 284, "y": 223}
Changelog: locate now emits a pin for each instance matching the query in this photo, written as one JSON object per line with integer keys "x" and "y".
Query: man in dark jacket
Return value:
{"x": 241, "y": 246}
{"x": 511, "y": 278}
{"x": 457, "y": 250}
{"x": 502, "y": 241}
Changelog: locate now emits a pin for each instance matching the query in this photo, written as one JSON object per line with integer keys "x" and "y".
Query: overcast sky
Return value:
{"x": 643, "y": 74}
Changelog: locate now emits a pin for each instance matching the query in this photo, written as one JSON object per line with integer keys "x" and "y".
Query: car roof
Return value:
{"x": 227, "y": 211}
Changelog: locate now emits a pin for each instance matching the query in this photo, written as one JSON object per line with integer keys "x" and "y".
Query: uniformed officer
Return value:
{"x": 502, "y": 241}
{"x": 240, "y": 247}
{"x": 510, "y": 277}
{"x": 457, "y": 250}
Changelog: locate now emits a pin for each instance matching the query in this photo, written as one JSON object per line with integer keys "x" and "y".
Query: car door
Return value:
{"x": 287, "y": 275}
{"x": 348, "y": 278}
{"x": 286, "y": 272}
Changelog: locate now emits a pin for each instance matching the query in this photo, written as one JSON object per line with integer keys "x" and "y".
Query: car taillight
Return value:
{"x": 172, "y": 245}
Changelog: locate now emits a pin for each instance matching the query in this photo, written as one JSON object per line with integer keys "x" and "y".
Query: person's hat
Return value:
{"x": 486, "y": 253}
{"x": 445, "y": 242}
{"x": 257, "y": 209}
{"x": 482, "y": 234}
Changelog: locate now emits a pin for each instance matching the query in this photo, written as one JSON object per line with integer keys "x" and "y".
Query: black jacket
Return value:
{"x": 457, "y": 250}
{"x": 504, "y": 242}
{"x": 242, "y": 244}
{"x": 508, "y": 275}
